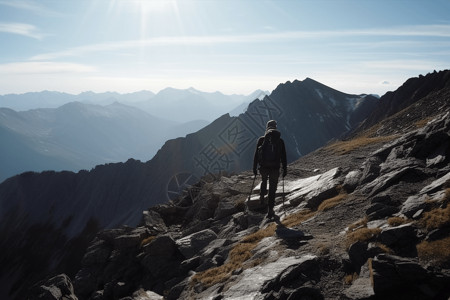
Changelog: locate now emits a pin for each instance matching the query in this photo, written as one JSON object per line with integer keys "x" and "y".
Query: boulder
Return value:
{"x": 384, "y": 181}
{"x": 378, "y": 211}
{"x": 254, "y": 203}
{"x": 56, "y": 288}
{"x": 162, "y": 245}
{"x": 192, "y": 244}
{"x": 393, "y": 273}
{"x": 436, "y": 185}
{"x": 306, "y": 269}
{"x": 224, "y": 209}
{"x": 370, "y": 170}
{"x": 358, "y": 255}
{"x": 351, "y": 180}
{"x": 128, "y": 241}
{"x": 361, "y": 288}
{"x": 314, "y": 190}
{"x": 153, "y": 221}
{"x": 403, "y": 235}
{"x": 413, "y": 204}
{"x": 97, "y": 253}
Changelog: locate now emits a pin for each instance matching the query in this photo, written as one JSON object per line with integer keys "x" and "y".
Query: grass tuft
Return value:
{"x": 362, "y": 235}
{"x": 436, "y": 251}
{"x": 236, "y": 258}
{"x": 396, "y": 221}
{"x": 298, "y": 217}
{"x": 332, "y": 202}
{"x": 344, "y": 147}
{"x": 147, "y": 240}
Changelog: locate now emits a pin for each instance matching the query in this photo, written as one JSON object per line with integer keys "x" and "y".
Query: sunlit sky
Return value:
{"x": 229, "y": 46}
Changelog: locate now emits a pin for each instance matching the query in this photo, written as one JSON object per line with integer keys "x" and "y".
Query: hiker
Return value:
{"x": 270, "y": 153}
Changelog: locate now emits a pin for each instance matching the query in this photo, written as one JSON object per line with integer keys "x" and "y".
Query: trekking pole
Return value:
{"x": 250, "y": 194}
{"x": 284, "y": 207}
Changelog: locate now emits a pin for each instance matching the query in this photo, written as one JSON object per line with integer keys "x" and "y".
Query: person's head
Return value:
{"x": 272, "y": 124}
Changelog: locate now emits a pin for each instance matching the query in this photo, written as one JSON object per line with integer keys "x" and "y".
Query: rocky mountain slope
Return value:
{"x": 75, "y": 205}
{"x": 362, "y": 218}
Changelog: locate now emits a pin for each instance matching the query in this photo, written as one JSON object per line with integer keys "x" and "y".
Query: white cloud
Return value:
{"x": 21, "y": 29}
{"x": 44, "y": 68}
{"x": 29, "y": 6}
{"x": 413, "y": 65}
{"x": 272, "y": 37}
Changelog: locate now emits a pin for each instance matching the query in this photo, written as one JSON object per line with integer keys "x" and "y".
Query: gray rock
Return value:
{"x": 413, "y": 204}
{"x": 254, "y": 203}
{"x": 371, "y": 170}
{"x": 361, "y": 288}
{"x": 307, "y": 269}
{"x": 224, "y": 209}
{"x": 351, "y": 180}
{"x": 400, "y": 235}
{"x": 128, "y": 241}
{"x": 153, "y": 221}
{"x": 384, "y": 181}
{"x": 56, "y": 288}
{"x": 85, "y": 283}
{"x": 438, "y": 234}
{"x": 358, "y": 255}
{"x": 436, "y": 185}
{"x": 97, "y": 253}
{"x": 315, "y": 189}
{"x": 390, "y": 272}
{"x": 162, "y": 245}
{"x": 378, "y": 211}
{"x": 192, "y": 244}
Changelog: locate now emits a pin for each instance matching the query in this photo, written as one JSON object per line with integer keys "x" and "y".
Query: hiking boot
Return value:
{"x": 270, "y": 214}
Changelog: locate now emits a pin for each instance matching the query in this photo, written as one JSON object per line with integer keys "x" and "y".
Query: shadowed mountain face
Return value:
{"x": 410, "y": 92}
{"x": 308, "y": 114}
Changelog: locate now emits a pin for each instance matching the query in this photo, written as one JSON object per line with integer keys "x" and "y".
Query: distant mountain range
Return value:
{"x": 58, "y": 131}
{"x": 80, "y": 136}
{"x": 179, "y": 105}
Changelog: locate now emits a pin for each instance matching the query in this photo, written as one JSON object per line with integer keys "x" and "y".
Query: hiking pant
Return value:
{"x": 272, "y": 175}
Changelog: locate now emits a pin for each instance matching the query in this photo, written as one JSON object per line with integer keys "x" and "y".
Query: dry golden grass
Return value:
{"x": 147, "y": 240}
{"x": 360, "y": 223}
{"x": 298, "y": 217}
{"x": 348, "y": 279}
{"x": 436, "y": 251}
{"x": 384, "y": 248}
{"x": 396, "y": 221}
{"x": 362, "y": 235}
{"x": 332, "y": 202}
{"x": 423, "y": 122}
{"x": 236, "y": 258}
{"x": 436, "y": 218}
{"x": 344, "y": 147}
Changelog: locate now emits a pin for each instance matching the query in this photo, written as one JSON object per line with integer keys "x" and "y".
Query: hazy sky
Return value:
{"x": 230, "y": 46}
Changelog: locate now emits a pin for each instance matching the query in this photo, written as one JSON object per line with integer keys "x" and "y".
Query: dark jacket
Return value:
{"x": 283, "y": 160}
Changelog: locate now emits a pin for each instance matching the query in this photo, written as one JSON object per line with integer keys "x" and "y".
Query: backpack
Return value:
{"x": 269, "y": 152}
